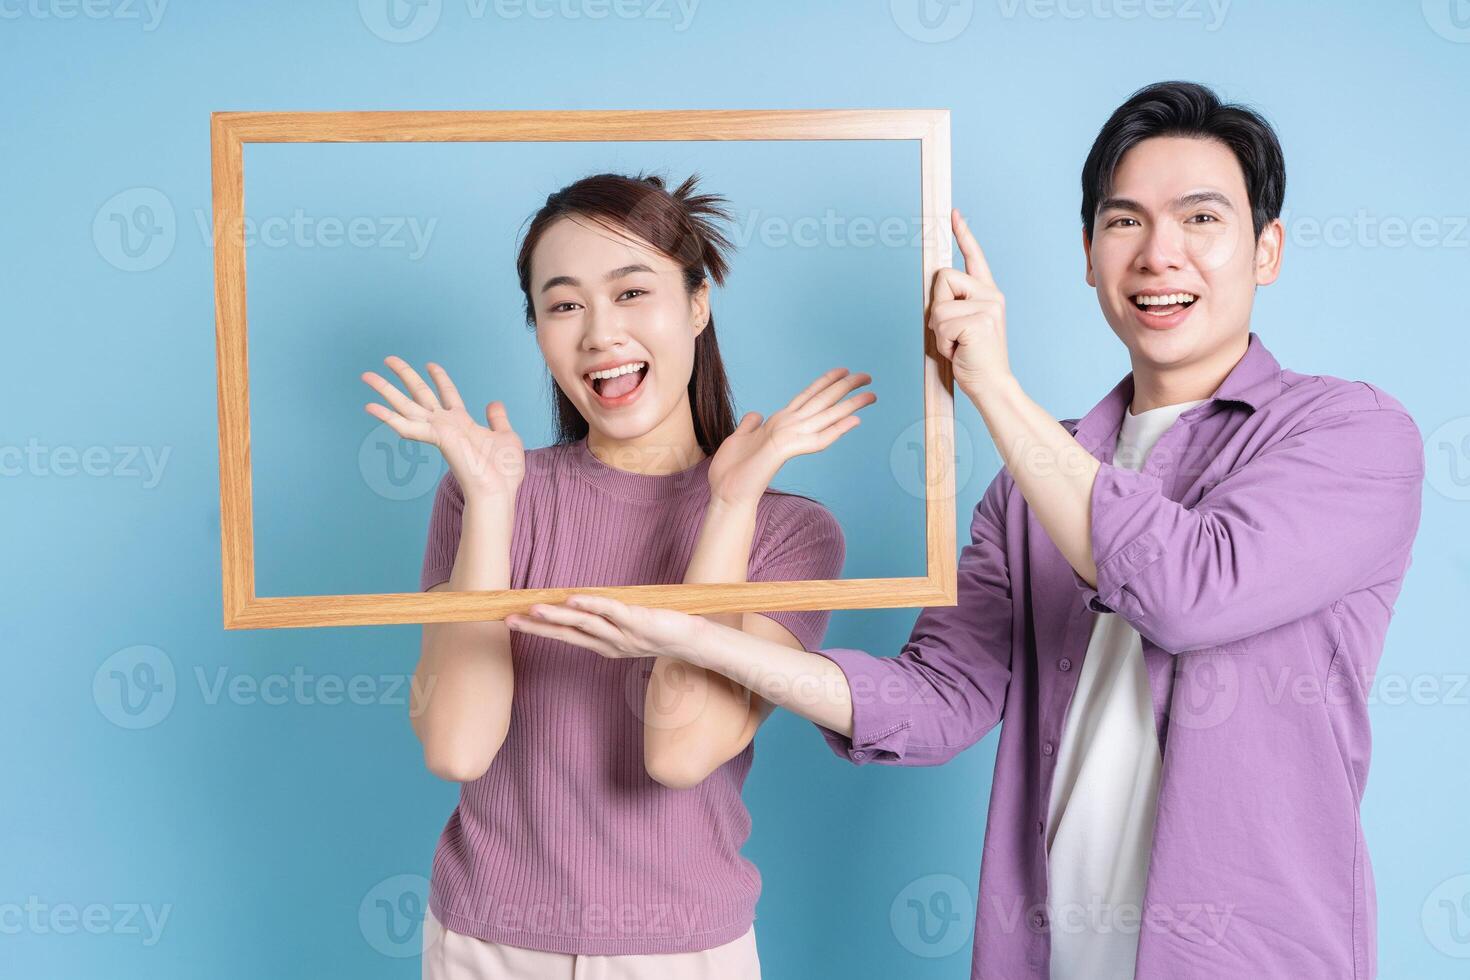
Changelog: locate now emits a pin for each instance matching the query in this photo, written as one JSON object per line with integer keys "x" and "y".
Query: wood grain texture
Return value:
{"x": 243, "y": 609}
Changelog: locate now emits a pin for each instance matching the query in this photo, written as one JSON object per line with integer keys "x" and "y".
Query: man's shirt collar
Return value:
{"x": 1255, "y": 380}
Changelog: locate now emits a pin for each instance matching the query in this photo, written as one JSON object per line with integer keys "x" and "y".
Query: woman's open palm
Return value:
{"x": 485, "y": 460}
{"x": 749, "y": 458}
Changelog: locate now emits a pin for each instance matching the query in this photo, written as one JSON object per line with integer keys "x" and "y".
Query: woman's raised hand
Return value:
{"x": 486, "y": 461}
{"x": 748, "y": 459}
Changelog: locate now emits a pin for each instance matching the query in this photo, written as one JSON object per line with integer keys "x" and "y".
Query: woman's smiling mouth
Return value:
{"x": 619, "y": 385}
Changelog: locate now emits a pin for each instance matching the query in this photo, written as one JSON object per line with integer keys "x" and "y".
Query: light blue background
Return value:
{"x": 263, "y": 830}
{"x": 790, "y": 309}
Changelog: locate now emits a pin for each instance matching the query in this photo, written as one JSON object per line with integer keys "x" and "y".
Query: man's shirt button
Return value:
{"x": 1046, "y": 748}
{"x": 859, "y": 755}
{"x": 1065, "y": 663}
{"x": 1038, "y": 920}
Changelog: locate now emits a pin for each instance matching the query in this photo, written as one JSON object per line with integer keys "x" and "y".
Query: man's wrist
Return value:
{"x": 704, "y": 642}
{"x": 992, "y": 391}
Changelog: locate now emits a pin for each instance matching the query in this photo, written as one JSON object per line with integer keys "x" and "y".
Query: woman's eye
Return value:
{"x": 557, "y": 307}
{"x": 633, "y": 290}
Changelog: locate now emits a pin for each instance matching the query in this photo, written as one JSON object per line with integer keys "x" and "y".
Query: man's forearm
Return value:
{"x": 806, "y": 683}
{"x": 680, "y": 749}
{"x": 1053, "y": 471}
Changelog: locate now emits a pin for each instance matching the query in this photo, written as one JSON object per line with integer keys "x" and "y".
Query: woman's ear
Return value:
{"x": 699, "y": 308}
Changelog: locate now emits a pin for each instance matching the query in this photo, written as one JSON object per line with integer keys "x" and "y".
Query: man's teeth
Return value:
{"x": 614, "y": 372}
{"x": 1166, "y": 300}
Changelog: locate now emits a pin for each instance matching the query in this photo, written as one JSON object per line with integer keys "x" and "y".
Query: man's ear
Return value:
{"x": 1268, "y": 252}
{"x": 1087, "y": 256}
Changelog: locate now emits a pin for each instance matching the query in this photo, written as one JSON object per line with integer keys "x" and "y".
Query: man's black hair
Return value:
{"x": 1188, "y": 109}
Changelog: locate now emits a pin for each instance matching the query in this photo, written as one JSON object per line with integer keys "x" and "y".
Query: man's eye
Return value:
{"x": 1116, "y": 222}
{"x": 1207, "y": 218}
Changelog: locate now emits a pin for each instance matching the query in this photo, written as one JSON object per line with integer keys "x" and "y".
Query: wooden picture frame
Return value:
{"x": 229, "y": 131}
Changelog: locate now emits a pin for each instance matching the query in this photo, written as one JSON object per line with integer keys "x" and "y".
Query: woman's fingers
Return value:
{"x": 839, "y": 411}
{"x": 406, "y": 428}
{"x": 448, "y": 393}
{"x": 833, "y": 391}
{"x": 405, "y": 406}
{"x": 495, "y": 415}
{"x": 834, "y": 432}
{"x": 822, "y": 382}
{"x": 416, "y": 385}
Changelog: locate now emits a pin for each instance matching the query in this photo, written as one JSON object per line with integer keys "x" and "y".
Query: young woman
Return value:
{"x": 599, "y": 825}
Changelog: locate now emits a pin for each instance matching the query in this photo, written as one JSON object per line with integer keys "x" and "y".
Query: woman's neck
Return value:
{"x": 671, "y": 447}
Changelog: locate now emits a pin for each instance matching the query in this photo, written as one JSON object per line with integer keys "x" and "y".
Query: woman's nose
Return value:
{"x": 602, "y": 329}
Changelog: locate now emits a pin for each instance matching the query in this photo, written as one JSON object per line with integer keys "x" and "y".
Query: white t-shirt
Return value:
{"x": 1100, "y": 824}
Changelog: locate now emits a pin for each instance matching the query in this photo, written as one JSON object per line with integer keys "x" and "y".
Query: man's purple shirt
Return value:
{"x": 1258, "y": 553}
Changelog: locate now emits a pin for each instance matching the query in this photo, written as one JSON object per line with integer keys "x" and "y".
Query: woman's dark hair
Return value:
{"x": 681, "y": 225}
{"x": 1188, "y": 109}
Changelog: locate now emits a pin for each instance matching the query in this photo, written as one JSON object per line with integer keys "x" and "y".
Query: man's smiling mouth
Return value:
{"x": 1163, "y": 304}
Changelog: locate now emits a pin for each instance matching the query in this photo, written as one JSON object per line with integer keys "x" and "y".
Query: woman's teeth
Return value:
{"x": 604, "y": 383}
{"x": 614, "y": 372}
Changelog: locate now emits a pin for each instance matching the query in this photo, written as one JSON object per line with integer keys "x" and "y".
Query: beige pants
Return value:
{"x": 450, "y": 955}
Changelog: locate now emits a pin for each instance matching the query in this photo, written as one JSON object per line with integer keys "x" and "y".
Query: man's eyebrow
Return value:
{"x": 1118, "y": 204}
{"x": 1183, "y": 201}
{"x": 1205, "y": 197}
{"x": 617, "y": 273}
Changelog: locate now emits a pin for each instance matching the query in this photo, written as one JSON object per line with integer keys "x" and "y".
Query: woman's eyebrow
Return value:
{"x": 617, "y": 273}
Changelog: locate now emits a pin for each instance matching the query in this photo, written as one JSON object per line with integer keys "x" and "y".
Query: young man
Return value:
{"x": 1176, "y": 603}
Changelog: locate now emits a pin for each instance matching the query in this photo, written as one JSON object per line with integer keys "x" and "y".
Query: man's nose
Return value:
{"x": 1162, "y": 249}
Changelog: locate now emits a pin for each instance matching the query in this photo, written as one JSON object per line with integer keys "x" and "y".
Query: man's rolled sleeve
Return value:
{"x": 879, "y": 730}
{"x": 1313, "y": 516}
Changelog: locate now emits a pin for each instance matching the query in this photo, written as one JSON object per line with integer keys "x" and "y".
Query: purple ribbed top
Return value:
{"x": 566, "y": 843}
